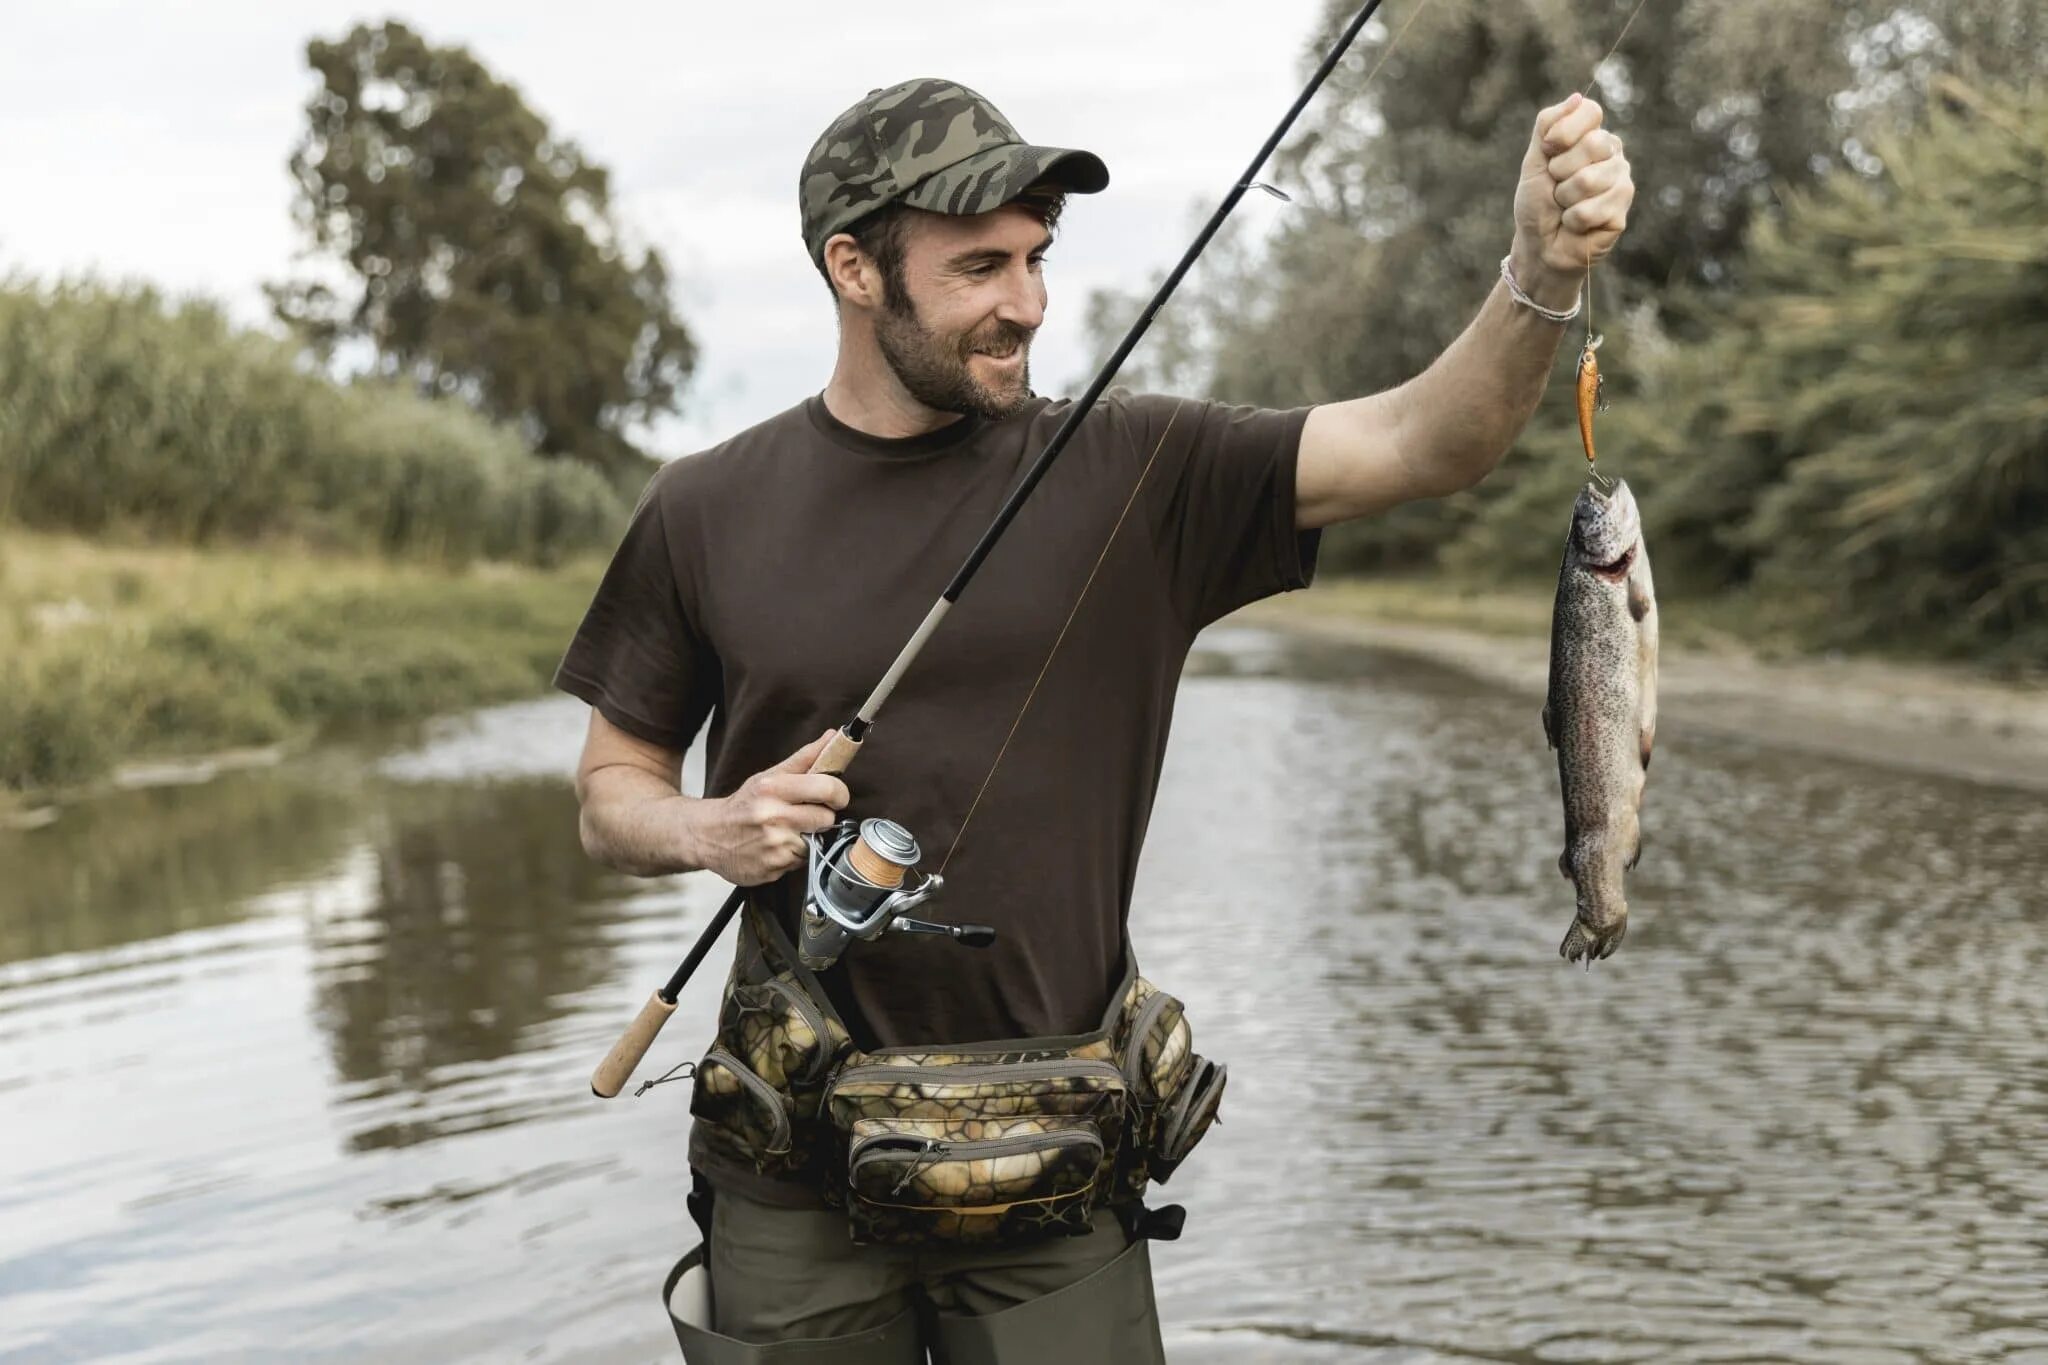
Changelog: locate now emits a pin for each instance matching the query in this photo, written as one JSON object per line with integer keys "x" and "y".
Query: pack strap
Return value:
{"x": 1162, "y": 1224}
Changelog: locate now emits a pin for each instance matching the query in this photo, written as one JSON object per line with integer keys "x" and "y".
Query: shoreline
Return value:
{"x": 144, "y": 665}
{"x": 1925, "y": 718}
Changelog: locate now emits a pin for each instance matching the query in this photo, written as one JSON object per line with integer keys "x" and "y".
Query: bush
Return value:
{"x": 119, "y": 412}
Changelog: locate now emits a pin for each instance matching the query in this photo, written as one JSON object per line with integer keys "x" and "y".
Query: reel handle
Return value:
{"x": 972, "y": 935}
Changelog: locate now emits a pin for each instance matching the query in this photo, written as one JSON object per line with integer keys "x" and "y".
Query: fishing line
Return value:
{"x": 838, "y": 922}
{"x": 1252, "y": 183}
{"x": 1594, "y": 84}
{"x": 1246, "y": 182}
{"x": 1592, "y": 341}
{"x": 1046, "y": 667}
{"x": 1249, "y": 181}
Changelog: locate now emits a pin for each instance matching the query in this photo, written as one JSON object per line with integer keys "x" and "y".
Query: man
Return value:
{"x": 765, "y": 585}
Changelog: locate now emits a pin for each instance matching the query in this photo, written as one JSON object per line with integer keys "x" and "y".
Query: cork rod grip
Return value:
{"x": 838, "y": 756}
{"x": 617, "y": 1067}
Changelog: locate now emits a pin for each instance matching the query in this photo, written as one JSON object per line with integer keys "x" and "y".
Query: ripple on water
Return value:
{"x": 297, "y": 1060}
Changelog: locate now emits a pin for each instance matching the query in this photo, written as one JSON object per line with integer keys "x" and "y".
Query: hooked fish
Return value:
{"x": 1601, "y": 711}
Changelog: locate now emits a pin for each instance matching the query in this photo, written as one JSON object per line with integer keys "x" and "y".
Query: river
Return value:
{"x": 293, "y": 1063}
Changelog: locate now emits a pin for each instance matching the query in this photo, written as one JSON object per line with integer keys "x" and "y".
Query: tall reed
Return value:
{"x": 123, "y": 412}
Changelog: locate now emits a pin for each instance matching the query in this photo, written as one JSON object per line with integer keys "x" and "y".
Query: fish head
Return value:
{"x": 1606, "y": 529}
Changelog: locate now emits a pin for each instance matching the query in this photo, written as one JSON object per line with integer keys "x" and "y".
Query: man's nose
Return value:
{"x": 1023, "y": 302}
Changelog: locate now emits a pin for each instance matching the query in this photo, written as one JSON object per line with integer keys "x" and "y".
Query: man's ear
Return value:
{"x": 853, "y": 276}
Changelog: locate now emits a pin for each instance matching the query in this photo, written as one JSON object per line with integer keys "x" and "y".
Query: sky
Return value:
{"x": 149, "y": 141}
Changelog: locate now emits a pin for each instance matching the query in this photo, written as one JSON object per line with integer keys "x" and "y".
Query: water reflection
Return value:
{"x": 1801, "y": 1116}
{"x": 479, "y": 926}
{"x": 295, "y": 1062}
{"x": 145, "y": 864}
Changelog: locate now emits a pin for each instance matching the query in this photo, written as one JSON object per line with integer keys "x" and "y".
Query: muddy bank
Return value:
{"x": 1914, "y": 717}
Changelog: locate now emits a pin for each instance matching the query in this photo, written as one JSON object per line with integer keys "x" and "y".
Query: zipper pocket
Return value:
{"x": 974, "y": 1073}
{"x": 763, "y": 1100}
{"x": 821, "y": 1044}
{"x": 1143, "y": 1083}
{"x": 875, "y": 1156}
{"x": 1191, "y": 1115}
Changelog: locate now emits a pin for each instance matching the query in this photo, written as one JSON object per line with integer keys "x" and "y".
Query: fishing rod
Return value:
{"x": 858, "y": 876}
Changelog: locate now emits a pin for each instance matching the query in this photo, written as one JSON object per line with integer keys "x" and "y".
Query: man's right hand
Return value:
{"x": 756, "y": 834}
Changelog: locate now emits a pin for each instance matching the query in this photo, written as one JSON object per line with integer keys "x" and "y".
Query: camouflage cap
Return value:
{"x": 931, "y": 144}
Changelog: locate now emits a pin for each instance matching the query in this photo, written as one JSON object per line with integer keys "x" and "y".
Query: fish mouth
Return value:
{"x": 1616, "y": 571}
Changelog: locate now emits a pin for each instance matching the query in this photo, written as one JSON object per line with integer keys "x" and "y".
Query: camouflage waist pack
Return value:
{"x": 986, "y": 1142}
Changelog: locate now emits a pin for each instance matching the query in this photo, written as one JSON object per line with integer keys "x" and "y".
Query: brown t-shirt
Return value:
{"x": 767, "y": 583}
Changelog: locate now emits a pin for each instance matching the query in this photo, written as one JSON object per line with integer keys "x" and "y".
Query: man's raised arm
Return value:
{"x": 1446, "y": 429}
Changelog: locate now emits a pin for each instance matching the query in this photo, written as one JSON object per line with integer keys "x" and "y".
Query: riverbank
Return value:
{"x": 1917, "y": 717}
{"x": 123, "y": 663}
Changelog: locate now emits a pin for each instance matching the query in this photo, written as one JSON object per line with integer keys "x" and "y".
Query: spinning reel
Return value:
{"x": 860, "y": 885}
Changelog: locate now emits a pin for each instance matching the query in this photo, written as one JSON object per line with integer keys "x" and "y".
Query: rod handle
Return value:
{"x": 617, "y": 1067}
{"x": 838, "y": 755}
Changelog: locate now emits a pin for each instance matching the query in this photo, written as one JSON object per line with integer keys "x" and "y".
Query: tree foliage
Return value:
{"x": 1867, "y": 427}
{"x": 484, "y": 258}
{"x": 1735, "y": 114}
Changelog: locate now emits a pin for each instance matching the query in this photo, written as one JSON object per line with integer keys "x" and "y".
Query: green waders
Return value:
{"x": 1108, "y": 1314}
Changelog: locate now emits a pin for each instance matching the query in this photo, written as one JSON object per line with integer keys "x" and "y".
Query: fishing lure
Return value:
{"x": 1592, "y": 397}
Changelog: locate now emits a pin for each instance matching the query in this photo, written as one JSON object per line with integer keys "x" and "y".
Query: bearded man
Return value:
{"x": 765, "y": 584}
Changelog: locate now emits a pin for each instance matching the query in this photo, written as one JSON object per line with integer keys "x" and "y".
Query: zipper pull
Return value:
{"x": 917, "y": 1164}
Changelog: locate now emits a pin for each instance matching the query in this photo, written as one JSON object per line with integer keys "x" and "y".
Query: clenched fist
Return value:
{"x": 1574, "y": 195}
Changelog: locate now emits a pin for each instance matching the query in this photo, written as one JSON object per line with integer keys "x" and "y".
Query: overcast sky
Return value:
{"x": 150, "y": 140}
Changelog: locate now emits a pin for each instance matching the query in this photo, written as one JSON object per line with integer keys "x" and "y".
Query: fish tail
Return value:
{"x": 1582, "y": 941}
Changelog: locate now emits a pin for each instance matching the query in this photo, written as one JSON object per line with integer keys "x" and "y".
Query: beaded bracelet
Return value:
{"x": 1507, "y": 275}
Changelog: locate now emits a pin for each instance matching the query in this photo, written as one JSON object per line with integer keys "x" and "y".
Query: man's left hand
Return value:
{"x": 1573, "y": 200}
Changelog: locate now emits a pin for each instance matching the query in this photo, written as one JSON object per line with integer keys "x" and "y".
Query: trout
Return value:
{"x": 1601, "y": 711}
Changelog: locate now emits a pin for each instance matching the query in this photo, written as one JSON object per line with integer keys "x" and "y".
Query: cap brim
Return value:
{"x": 990, "y": 179}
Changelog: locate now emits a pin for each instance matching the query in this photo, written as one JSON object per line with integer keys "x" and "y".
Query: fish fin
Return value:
{"x": 1576, "y": 941}
{"x": 1549, "y": 727}
{"x": 1636, "y": 854}
{"x": 1564, "y": 864}
{"x": 1638, "y": 597}
{"x": 1591, "y": 944}
{"x": 1646, "y": 739}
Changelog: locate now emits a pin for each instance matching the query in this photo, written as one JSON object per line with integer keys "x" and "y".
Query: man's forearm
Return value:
{"x": 635, "y": 823}
{"x": 1459, "y": 416}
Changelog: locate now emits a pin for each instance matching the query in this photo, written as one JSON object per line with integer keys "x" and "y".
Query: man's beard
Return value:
{"x": 933, "y": 367}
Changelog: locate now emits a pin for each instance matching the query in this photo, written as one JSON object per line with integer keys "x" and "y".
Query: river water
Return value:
{"x": 293, "y": 1064}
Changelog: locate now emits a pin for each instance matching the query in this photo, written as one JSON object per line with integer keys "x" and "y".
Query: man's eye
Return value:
{"x": 1037, "y": 262}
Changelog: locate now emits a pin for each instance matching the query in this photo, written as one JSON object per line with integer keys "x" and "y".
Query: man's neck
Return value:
{"x": 879, "y": 405}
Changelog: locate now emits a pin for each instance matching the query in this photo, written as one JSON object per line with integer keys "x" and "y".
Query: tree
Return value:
{"x": 486, "y": 262}
{"x": 1402, "y": 187}
{"x": 1876, "y": 438}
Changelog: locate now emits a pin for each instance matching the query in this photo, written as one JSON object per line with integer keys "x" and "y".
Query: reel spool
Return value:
{"x": 860, "y": 885}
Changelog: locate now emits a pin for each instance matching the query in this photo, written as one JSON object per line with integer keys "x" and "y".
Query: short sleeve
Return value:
{"x": 1221, "y": 498}
{"x": 638, "y": 657}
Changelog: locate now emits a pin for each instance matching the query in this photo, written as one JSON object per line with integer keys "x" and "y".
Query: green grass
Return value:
{"x": 112, "y": 653}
